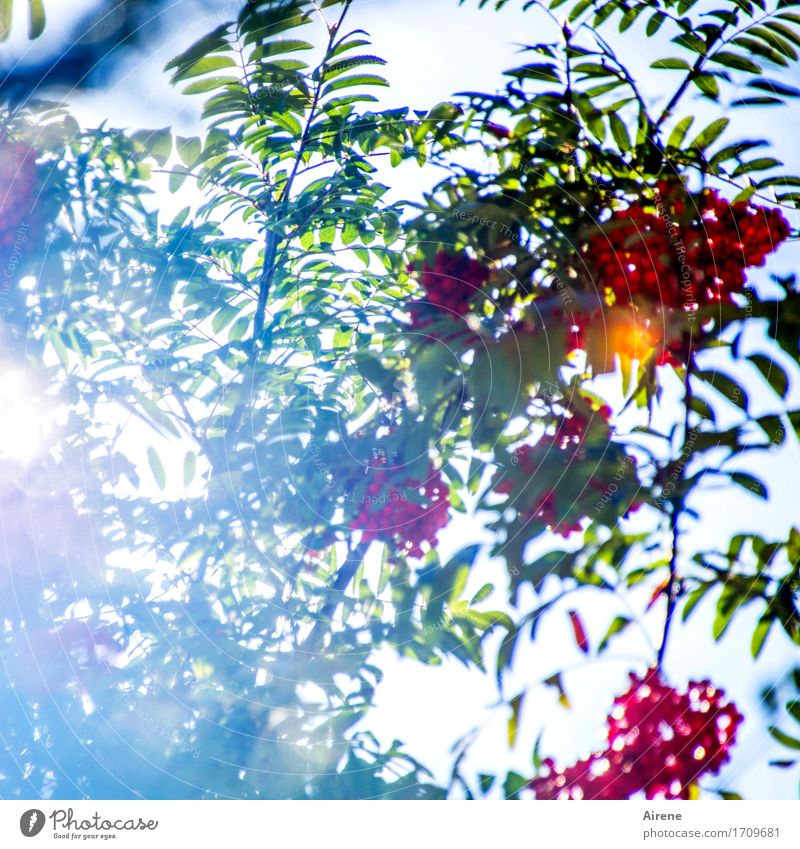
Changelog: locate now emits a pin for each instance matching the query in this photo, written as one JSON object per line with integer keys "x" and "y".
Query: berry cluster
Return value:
{"x": 561, "y": 506}
{"x": 692, "y": 253}
{"x": 659, "y": 742}
{"x": 18, "y": 178}
{"x": 407, "y": 514}
{"x": 453, "y": 281}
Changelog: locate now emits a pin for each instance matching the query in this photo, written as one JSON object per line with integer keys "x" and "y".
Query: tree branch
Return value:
{"x": 678, "y": 503}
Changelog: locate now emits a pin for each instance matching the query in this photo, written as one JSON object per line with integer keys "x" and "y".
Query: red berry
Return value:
{"x": 453, "y": 281}
{"x": 659, "y": 742}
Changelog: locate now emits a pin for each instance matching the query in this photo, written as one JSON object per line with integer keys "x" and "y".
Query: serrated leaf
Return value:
{"x": 354, "y": 80}
{"x": 212, "y": 42}
{"x": 203, "y": 66}
{"x": 710, "y": 134}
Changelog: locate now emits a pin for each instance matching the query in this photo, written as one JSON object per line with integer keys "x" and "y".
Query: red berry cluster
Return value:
{"x": 18, "y": 177}
{"x": 407, "y": 514}
{"x": 693, "y": 252}
{"x": 659, "y": 742}
{"x": 539, "y": 459}
{"x": 453, "y": 281}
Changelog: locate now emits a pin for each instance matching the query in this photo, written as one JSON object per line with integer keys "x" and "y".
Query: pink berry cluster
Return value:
{"x": 562, "y": 506}
{"x": 453, "y": 281}
{"x": 659, "y": 742}
{"x": 407, "y": 514}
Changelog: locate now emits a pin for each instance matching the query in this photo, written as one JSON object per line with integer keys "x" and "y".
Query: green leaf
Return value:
{"x": 654, "y": 24}
{"x": 760, "y": 635}
{"x": 486, "y": 782}
{"x": 773, "y": 428}
{"x": 735, "y": 61}
{"x": 619, "y": 132}
{"x": 483, "y": 593}
{"x": 36, "y": 18}
{"x": 514, "y": 785}
{"x": 189, "y": 467}
{"x": 156, "y": 467}
{"x": 784, "y": 739}
{"x": 177, "y": 178}
{"x": 619, "y": 624}
{"x": 513, "y": 721}
{"x": 707, "y": 84}
{"x": 750, "y": 483}
{"x": 726, "y": 387}
{"x": 710, "y": 134}
{"x": 354, "y": 80}
{"x": 6, "y": 17}
{"x": 556, "y": 682}
{"x": 212, "y": 42}
{"x": 672, "y": 64}
{"x": 189, "y": 149}
{"x": 774, "y": 87}
{"x": 203, "y": 66}
{"x": 678, "y": 134}
{"x": 763, "y": 163}
{"x": 542, "y": 72}
{"x": 280, "y": 46}
{"x": 775, "y": 376}
{"x": 693, "y": 599}
{"x": 154, "y": 143}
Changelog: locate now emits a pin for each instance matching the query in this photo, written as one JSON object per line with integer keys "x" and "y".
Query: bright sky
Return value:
{"x": 435, "y": 48}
